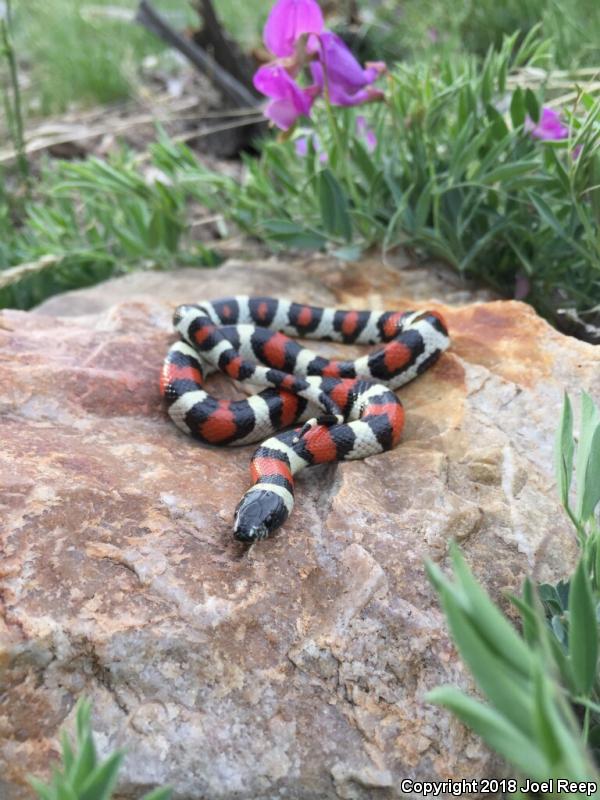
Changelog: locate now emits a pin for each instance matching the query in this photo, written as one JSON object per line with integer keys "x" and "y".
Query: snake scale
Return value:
{"x": 337, "y": 410}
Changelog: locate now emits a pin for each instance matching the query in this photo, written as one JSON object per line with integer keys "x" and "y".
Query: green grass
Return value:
{"x": 425, "y": 29}
{"x": 75, "y": 56}
{"x": 87, "y": 221}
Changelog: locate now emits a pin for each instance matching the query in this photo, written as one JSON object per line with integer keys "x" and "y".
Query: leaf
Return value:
{"x": 352, "y": 252}
{"x": 83, "y": 715}
{"x": 293, "y": 235}
{"x": 544, "y": 727}
{"x": 498, "y": 629}
{"x": 85, "y": 761}
{"x": 334, "y": 205}
{"x": 504, "y": 687}
{"x": 532, "y": 105}
{"x": 517, "y": 108}
{"x": 68, "y": 756}
{"x": 583, "y": 631}
{"x": 159, "y": 794}
{"x": 363, "y": 161}
{"x": 564, "y": 450}
{"x": 495, "y": 730}
{"x": 41, "y": 789}
{"x": 591, "y": 489}
{"x": 498, "y": 125}
{"x": 505, "y": 172}
{"x": 423, "y": 206}
{"x": 101, "y": 782}
{"x": 547, "y": 215}
{"x": 586, "y": 461}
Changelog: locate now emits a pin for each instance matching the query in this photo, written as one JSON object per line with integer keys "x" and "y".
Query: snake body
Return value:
{"x": 348, "y": 408}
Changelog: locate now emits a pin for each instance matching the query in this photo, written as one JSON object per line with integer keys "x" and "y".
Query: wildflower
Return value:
{"x": 366, "y": 133}
{"x": 288, "y": 100}
{"x": 549, "y": 125}
{"x": 348, "y": 84}
{"x": 288, "y": 21}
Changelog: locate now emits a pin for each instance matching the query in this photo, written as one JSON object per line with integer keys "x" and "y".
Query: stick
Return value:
{"x": 150, "y": 19}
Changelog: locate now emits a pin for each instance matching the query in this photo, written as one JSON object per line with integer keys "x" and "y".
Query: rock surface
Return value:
{"x": 296, "y": 668}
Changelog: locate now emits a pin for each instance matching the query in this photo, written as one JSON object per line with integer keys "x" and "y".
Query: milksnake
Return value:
{"x": 348, "y": 408}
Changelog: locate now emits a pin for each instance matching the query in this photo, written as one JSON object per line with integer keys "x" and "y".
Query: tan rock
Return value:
{"x": 297, "y": 668}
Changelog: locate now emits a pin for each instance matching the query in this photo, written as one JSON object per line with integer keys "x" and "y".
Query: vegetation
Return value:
{"x": 79, "y": 52}
{"x": 83, "y": 776}
{"x": 542, "y": 687}
{"x": 93, "y": 219}
{"x": 456, "y": 173}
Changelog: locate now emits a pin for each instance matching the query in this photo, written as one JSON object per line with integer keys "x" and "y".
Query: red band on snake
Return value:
{"x": 348, "y": 408}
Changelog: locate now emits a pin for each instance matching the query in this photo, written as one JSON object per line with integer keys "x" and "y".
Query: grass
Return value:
{"x": 87, "y": 221}
{"x": 425, "y": 29}
{"x": 74, "y": 55}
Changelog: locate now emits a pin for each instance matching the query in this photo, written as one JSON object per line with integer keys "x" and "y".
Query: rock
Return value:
{"x": 297, "y": 668}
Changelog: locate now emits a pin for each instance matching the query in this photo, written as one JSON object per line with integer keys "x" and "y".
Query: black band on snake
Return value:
{"x": 348, "y": 408}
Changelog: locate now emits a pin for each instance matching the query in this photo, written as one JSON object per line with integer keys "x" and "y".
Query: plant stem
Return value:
{"x": 13, "y": 104}
{"x": 337, "y": 135}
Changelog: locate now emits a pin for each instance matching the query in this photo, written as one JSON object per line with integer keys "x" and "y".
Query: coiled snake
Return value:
{"x": 348, "y": 408}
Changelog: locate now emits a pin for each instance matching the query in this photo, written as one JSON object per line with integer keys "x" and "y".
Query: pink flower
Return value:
{"x": 288, "y": 100}
{"x": 288, "y": 20}
{"x": 549, "y": 125}
{"x": 348, "y": 83}
{"x": 366, "y": 133}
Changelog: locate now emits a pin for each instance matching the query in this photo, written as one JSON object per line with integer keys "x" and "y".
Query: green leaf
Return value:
{"x": 334, "y": 205}
{"x": 532, "y": 105}
{"x": 68, "y": 756}
{"x": 505, "y": 172}
{"x": 517, "y": 108}
{"x": 492, "y": 623}
{"x": 45, "y": 792}
{"x": 101, "y": 782}
{"x": 591, "y": 488}
{"x": 498, "y": 125}
{"x": 293, "y": 235}
{"x": 503, "y": 686}
{"x": 493, "y": 727}
{"x": 85, "y": 762}
{"x": 83, "y": 716}
{"x": 423, "y": 206}
{"x": 564, "y": 450}
{"x": 363, "y": 161}
{"x": 586, "y": 462}
{"x": 583, "y": 631}
{"x": 159, "y": 794}
{"x": 352, "y": 252}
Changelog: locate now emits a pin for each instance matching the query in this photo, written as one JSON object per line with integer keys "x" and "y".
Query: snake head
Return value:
{"x": 259, "y": 513}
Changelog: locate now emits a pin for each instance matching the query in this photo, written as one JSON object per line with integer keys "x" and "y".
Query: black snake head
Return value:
{"x": 259, "y": 513}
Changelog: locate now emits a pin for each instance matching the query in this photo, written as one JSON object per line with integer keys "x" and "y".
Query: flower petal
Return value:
{"x": 346, "y": 79}
{"x": 288, "y": 100}
{"x": 549, "y": 125}
{"x": 288, "y": 20}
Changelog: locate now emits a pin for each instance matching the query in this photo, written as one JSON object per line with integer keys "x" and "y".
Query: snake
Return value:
{"x": 311, "y": 409}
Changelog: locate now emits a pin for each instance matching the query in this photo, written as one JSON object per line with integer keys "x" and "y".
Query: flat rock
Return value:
{"x": 297, "y": 668}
